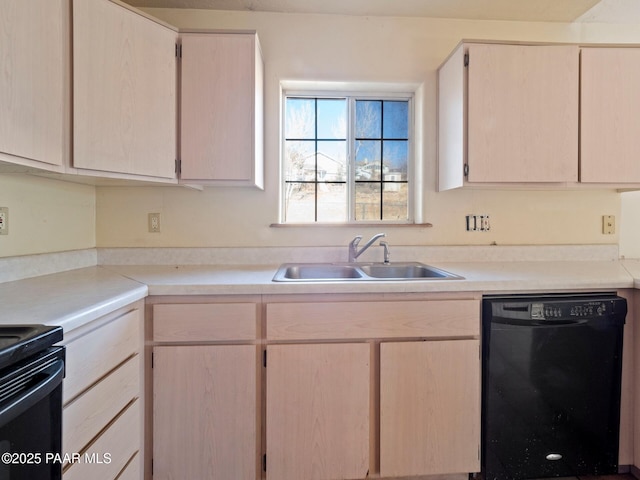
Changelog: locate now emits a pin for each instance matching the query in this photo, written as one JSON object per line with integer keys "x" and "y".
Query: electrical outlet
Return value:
{"x": 608, "y": 224}
{"x": 4, "y": 221}
{"x": 478, "y": 223}
{"x": 485, "y": 226}
{"x": 154, "y": 223}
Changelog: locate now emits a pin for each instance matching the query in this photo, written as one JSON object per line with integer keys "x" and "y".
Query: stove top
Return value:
{"x": 21, "y": 341}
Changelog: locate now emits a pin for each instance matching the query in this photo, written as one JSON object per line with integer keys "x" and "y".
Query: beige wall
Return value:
{"x": 46, "y": 215}
{"x": 360, "y": 49}
{"x": 49, "y": 215}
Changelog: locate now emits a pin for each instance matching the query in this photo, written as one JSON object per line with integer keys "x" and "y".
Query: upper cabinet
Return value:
{"x": 90, "y": 87}
{"x": 610, "y": 102}
{"x": 539, "y": 114}
{"x": 221, "y": 117}
{"x": 508, "y": 113}
{"x": 124, "y": 91}
{"x": 34, "y": 84}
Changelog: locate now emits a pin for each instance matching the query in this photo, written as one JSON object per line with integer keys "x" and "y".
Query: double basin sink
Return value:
{"x": 327, "y": 272}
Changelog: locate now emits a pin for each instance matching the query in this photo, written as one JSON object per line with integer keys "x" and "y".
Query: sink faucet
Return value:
{"x": 387, "y": 253}
{"x": 354, "y": 253}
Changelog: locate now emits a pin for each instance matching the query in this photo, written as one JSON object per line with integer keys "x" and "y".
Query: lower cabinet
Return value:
{"x": 102, "y": 436}
{"x": 429, "y": 407}
{"x": 205, "y": 412}
{"x": 318, "y": 408}
{"x": 316, "y": 387}
{"x": 206, "y": 391}
{"x": 360, "y": 388}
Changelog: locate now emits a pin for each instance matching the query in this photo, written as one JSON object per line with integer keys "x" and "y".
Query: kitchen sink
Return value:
{"x": 402, "y": 271}
{"x": 317, "y": 272}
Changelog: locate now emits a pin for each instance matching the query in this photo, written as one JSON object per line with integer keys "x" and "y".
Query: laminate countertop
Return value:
{"x": 78, "y": 296}
{"x": 69, "y": 299}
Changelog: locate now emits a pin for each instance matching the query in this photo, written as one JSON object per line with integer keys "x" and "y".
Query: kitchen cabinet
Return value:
{"x": 102, "y": 404}
{"x": 124, "y": 92}
{"x": 429, "y": 407}
{"x": 315, "y": 386}
{"x": 508, "y": 114}
{"x": 221, "y": 116}
{"x": 609, "y": 104}
{"x": 403, "y": 392}
{"x": 206, "y": 391}
{"x": 34, "y": 85}
{"x": 318, "y": 411}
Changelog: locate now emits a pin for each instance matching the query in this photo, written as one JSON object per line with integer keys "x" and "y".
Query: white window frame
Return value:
{"x": 351, "y": 97}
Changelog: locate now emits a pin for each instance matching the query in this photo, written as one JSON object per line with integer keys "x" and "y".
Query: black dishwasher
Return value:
{"x": 551, "y": 385}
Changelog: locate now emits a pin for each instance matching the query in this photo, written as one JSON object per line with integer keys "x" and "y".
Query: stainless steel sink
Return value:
{"x": 405, "y": 271}
{"x": 317, "y": 272}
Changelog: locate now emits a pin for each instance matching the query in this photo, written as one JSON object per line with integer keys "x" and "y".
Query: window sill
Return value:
{"x": 354, "y": 224}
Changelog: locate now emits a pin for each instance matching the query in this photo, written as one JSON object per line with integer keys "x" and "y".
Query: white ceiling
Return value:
{"x": 608, "y": 11}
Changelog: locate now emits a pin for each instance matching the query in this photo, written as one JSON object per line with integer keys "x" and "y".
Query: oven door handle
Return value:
{"x": 26, "y": 400}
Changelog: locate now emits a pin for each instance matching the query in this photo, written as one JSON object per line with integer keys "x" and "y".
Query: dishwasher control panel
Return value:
{"x": 573, "y": 310}
{"x": 558, "y": 308}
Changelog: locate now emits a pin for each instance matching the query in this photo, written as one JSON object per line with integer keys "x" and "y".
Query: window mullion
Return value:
{"x": 351, "y": 179}
{"x": 315, "y": 149}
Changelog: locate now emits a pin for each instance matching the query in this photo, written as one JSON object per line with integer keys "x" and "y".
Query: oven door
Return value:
{"x": 31, "y": 417}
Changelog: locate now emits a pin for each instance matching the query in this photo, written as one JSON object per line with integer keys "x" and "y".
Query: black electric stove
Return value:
{"x": 31, "y": 374}
{"x": 18, "y": 342}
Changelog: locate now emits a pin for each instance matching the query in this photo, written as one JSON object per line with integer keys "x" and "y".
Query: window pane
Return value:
{"x": 368, "y": 119}
{"x": 332, "y": 118}
{"x": 396, "y": 119}
{"x": 299, "y": 202}
{"x": 395, "y": 201}
{"x": 299, "y": 161}
{"x": 394, "y": 156}
{"x": 332, "y": 202}
{"x": 318, "y": 144}
{"x": 300, "y": 120}
{"x": 367, "y": 201}
{"x": 332, "y": 161}
{"x": 368, "y": 159}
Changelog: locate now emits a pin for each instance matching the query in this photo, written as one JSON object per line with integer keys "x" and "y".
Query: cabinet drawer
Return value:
{"x": 112, "y": 451}
{"x": 191, "y": 322}
{"x": 93, "y": 355}
{"x": 88, "y": 414}
{"x": 133, "y": 470}
{"x": 392, "y": 319}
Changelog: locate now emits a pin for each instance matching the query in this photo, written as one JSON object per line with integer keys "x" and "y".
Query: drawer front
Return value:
{"x": 88, "y": 414}
{"x": 193, "y": 322}
{"x": 91, "y": 356}
{"x": 133, "y": 470}
{"x": 112, "y": 451}
{"x": 392, "y": 319}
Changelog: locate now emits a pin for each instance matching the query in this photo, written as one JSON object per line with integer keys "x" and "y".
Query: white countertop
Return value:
{"x": 75, "y": 297}
{"x": 494, "y": 277}
{"x": 69, "y": 299}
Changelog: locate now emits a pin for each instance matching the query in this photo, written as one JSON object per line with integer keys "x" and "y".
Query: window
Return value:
{"x": 346, "y": 159}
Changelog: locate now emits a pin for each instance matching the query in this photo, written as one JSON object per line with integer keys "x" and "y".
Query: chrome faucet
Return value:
{"x": 354, "y": 253}
{"x": 387, "y": 253}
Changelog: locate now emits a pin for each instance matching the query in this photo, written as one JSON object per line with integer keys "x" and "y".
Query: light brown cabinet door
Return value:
{"x": 221, "y": 108}
{"x": 34, "y": 48}
{"x": 205, "y": 417}
{"x": 429, "y": 407}
{"x": 609, "y": 122}
{"x": 124, "y": 85}
{"x": 523, "y": 113}
{"x": 317, "y": 420}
